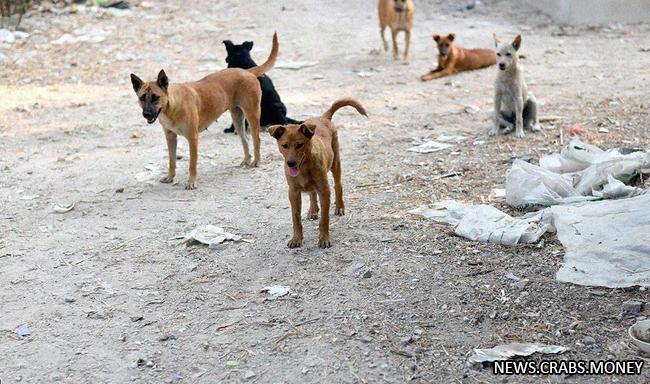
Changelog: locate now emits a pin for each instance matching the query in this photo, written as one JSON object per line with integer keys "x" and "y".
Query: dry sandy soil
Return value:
{"x": 104, "y": 286}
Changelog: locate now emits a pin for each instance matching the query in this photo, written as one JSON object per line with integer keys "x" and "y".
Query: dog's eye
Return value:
{"x": 142, "y": 97}
{"x": 498, "y": 54}
{"x": 298, "y": 146}
{"x": 154, "y": 98}
{"x": 285, "y": 146}
{"x": 508, "y": 54}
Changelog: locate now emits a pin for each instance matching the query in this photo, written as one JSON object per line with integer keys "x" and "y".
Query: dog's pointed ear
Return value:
{"x": 517, "y": 42}
{"x": 308, "y": 130}
{"x": 248, "y": 45}
{"x": 496, "y": 40}
{"x": 277, "y": 131}
{"x": 229, "y": 45}
{"x": 436, "y": 38}
{"x": 163, "y": 81}
{"x": 137, "y": 82}
{"x": 451, "y": 37}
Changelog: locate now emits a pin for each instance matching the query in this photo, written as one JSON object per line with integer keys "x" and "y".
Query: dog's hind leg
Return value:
{"x": 313, "y": 206}
{"x": 531, "y": 120}
{"x": 238, "y": 121}
{"x": 336, "y": 172}
{"x": 252, "y": 114}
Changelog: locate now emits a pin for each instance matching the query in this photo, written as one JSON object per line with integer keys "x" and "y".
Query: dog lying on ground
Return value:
{"x": 453, "y": 59}
{"x": 310, "y": 151}
{"x": 513, "y": 104}
{"x": 398, "y": 16}
{"x": 189, "y": 108}
{"x": 273, "y": 110}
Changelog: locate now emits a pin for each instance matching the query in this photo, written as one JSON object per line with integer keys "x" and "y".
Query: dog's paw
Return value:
{"x": 254, "y": 164}
{"x": 245, "y": 163}
{"x": 493, "y": 131}
{"x": 312, "y": 215}
{"x": 324, "y": 242}
{"x": 191, "y": 184}
{"x": 536, "y": 127}
{"x": 340, "y": 211}
{"x": 168, "y": 179}
{"x": 295, "y": 242}
{"x": 520, "y": 134}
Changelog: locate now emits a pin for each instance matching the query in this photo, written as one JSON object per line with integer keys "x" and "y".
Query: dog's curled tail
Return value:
{"x": 270, "y": 62}
{"x": 340, "y": 103}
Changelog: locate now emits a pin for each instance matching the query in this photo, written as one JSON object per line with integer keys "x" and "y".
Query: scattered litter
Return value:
{"x": 508, "y": 351}
{"x": 604, "y": 242}
{"x": 63, "y": 207}
{"x": 472, "y": 109}
{"x": 640, "y": 335}
{"x": 23, "y": 332}
{"x": 277, "y": 290}
{"x": 209, "y": 235}
{"x": 603, "y": 130}
{"x": 86, "y": 34}
{"x": 632, "y": 307}
{"x": 497, "y": 193}
{"x": 364, "y": 74}
{"x": 29, "y": 197}
{"x": 294, "y": 65}
{"x": 510, "y": 276}
{"x": 452, "y": 138}
{"x": 487, "y": 224}
{"x": 231, "y": 364}
{"x": 430, "y": 147}
{"x": 577, "y": 129}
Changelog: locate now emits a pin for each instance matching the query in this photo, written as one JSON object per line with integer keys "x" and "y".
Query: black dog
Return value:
{"x": 273, "y": 110}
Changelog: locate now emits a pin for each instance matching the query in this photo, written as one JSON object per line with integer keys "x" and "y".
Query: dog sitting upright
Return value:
{"x": 310, "y": 151}
{"x": 398, "y": 16}
{"x": 453, "y": 59}
{"x": 273, "y": 110}
{"x": 513, "y": 104}
{"x": 189, "y": 108}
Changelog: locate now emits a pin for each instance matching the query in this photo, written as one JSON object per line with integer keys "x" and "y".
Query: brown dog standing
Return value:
{"x": 310, "y": 151}
{"x": 453, "y": 59}
{"x": 398, "y": 16}
{"x": 189, "y": 108}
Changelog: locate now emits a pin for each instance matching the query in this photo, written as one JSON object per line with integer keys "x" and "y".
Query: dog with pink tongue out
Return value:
{"x": 310, "y": 151}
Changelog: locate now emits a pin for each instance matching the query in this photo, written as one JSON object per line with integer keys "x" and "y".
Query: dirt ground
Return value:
{"x": 110, "y": 297}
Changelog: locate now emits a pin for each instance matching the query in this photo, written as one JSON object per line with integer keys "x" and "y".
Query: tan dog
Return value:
{"x": 398, "y": 16}
{"x": 189, "y": 108}
{"x": 453, "y": 59}
{"x": 310, "y": 151}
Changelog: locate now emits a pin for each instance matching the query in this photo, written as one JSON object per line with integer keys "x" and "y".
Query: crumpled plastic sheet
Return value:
{"x": 607, "y": 242}
{"x": 486, "y": 223}
{"x": 508, "y": 351}
{"x": 430, "y": 147}
{"x": 581, "y": 172}
{"x": 210, "y": 235}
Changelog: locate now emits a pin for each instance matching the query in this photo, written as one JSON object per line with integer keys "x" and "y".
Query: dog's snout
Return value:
{"x": 502, "y": 66}
{"x": 291, "y": 163}
{"x": 148, "y": 114}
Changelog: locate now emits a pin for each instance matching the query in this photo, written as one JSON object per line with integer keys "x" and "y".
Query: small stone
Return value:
{"x": 367, "y": 274}
{"x": 588, "y": 340}
{"x": 150, "y": 363}
{"x": 69, "y": 299}
{"x": 505, "y": 315}
{"x": 406, "y": 340}
{"x": 521, "y": 284}
{"x": 119, "y": 190}
{"x": 632, "y": 307}
{"x": 249, "y": 375}
{"x": 136, "y": 318}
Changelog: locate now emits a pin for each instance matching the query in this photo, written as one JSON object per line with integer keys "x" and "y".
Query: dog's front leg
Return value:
{"x": 408, "y": 46}
{"x": 393, "y": 32}
{"x": 519, "y": 117}
{"x": 296, "y": 206}
{"x": 313, "y": 206}
{"x": 497, "y": 114}
{"x": 172, "y": 140}
{"x": 194, "y": 155}
{"x": 324, "y": 225}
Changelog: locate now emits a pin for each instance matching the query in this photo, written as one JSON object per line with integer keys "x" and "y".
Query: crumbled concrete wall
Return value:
{"x": 576, "y": 12}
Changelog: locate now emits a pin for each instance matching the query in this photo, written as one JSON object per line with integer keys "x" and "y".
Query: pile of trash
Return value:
{"x": 583, "y": 194}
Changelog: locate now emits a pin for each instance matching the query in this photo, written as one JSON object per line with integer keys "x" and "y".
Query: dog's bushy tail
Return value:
{"x": 340, "y": 103}
{"x": 270, "y": 62}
